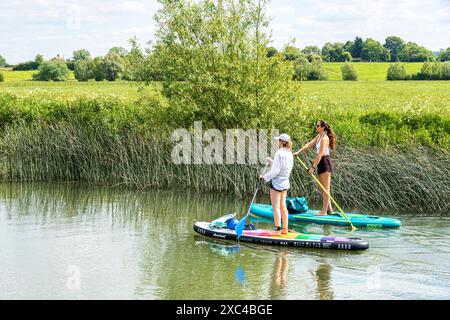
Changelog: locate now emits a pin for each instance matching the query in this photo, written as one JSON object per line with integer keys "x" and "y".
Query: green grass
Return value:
{"x": 367, "y": 71}
{"x": 20, "y": 76}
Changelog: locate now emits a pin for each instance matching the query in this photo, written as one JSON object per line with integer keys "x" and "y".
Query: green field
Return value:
{"x": 367, "y": 71}
{"x": 19, "y": 76}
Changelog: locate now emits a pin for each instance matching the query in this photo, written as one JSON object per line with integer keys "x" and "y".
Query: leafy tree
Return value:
{"x": 291, "y": 53}
{"x": 311, "y": 50}
{"x": 444, "y": 55}
{"x": 373, "y": 51}
{"x": 432, "y": 71}
{"x": 334, "y": 52}
{"x": 219, "y": 49}
{"x": 30, "y": 65}
{"x": 316, "y": 71}
{"x": 348, "y": 46}
{"x": 271, "y": 51}
{"x": 357, "y": 47}
{"x": 306, "y": 70}
{"x": 346, "y": 56}
{"x": 2, "y": 61}
{"x": 39, "y": 60}
{"x": 53, "y": 70}
{"x": 84, "y": 70}
{"x": 446, "y": 70}
{"x": 81, "y": 54}
{"x": 395, "y": 45}
{"x": 98, "y": 69}
{"x": 397, "y": 71}
{"x": 113, "y": 65}
{"x": 349, "y": 72}
{"x": 412, "y": 52}
{"x": 119, "y": 51}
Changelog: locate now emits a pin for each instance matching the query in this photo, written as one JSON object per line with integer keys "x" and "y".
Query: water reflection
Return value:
{"x": 279, "y": 283}
{"x": 324, "y": 284}
{"x": 140, "y": 245}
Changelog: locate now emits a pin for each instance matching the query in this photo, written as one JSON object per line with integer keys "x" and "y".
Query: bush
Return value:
{"x": 346, "y": 56}
{"x": 433, "y": 71}
{"x": 53, "y": 70}
{"x": 2, "y": 61}
{"x": 2, "y": 78}
{"x": 444, "y": 55}
{"x": 83, "y": 70}
{"x": 25, "y": 66}
{"x": 397, "y": 71}
{"x": 305, "y": 70}
{"x": 446, "y": 70}
{"x": 349, "y": 72}
{"x": 317, "y": 72}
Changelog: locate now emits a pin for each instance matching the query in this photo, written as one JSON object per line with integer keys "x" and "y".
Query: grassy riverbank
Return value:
{"x": 392, "y": 150}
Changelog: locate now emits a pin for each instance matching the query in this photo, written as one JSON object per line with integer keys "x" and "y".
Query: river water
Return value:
{"x": 61, "y": 241}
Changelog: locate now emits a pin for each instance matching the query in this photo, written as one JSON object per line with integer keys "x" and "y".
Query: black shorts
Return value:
{"x": 272, "y": 187}
{"x": 325, "y": 165}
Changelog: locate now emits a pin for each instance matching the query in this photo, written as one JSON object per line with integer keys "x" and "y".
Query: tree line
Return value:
{"x": 137, "y": 64}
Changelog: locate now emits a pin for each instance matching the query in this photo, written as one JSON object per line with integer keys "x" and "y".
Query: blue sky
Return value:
{"x": 50, "y": 27}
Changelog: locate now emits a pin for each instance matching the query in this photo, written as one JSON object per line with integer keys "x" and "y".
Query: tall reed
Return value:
{"x": 389, "y": 180}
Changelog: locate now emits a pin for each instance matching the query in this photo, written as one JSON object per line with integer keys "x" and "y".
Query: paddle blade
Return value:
{"x": 240, "y": 227}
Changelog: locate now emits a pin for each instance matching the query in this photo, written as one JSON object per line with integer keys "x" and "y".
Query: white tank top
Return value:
{"x": 319, "y": 141}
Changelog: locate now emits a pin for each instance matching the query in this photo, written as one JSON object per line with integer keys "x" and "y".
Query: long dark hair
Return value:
{"x": 330, "y": 133}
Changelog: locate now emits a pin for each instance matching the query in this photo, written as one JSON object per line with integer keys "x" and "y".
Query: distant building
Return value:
{"x": 59, "y": 57}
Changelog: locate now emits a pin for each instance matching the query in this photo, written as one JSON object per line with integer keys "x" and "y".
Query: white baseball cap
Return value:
{"x": 284, "y": 136}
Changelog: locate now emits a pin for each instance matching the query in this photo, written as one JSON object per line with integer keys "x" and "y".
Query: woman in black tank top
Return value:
{"x": 324, "y": 141}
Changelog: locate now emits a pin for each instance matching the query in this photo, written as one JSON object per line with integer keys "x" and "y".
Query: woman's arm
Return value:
{"x": 274, "y": 169}
{"x": 307, "y": 146}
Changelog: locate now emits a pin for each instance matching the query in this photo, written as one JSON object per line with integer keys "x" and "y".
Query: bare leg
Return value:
{"x": 325, "y": 179}
{"x": 284, "y": 212}
{"x": 275, "y": 200}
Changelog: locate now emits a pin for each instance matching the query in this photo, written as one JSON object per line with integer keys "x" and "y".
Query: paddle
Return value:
{"x": 323, "y": 188}
{"x": 241, "y": 224}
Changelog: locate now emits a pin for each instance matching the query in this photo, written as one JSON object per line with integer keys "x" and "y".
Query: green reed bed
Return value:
{"x": 368, "y": 179}
{"x": 389, "y": 161}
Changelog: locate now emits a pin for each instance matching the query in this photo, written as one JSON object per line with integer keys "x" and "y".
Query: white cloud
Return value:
{"x": 42, "y": 26}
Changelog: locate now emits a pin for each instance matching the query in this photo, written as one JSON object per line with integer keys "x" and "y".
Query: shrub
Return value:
{"x": 397, "y": 71}
{"x": 317, "y": 72}
{"x": 2, "y": 61}
{"x": 446, "y": 70}
{"x": 305, "y": 70}
{"x": 25, "y": 66}
{"x": 53, "y": 70}
{"x": 346, "y": 56}
{"x": 83, "y": 70}
{"x": 444, "y": 55}
{"x": 433, "y": 71}
{"x": 2, "y": 78}
{"x": 349, "y": 72}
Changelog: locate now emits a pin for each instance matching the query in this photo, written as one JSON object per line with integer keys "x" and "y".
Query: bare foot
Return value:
{"x": 320, "y": 213}
{"x": 284, "y": 231}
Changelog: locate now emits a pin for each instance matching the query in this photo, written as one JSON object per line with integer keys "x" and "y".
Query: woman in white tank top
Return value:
{"x": 324, "y": 140}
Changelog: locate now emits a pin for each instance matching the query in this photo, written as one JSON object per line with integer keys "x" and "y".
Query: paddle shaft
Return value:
{"x": 258, "y": 184}
{"x": 241, "y": 224}
{"x": 328, "y": 194}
